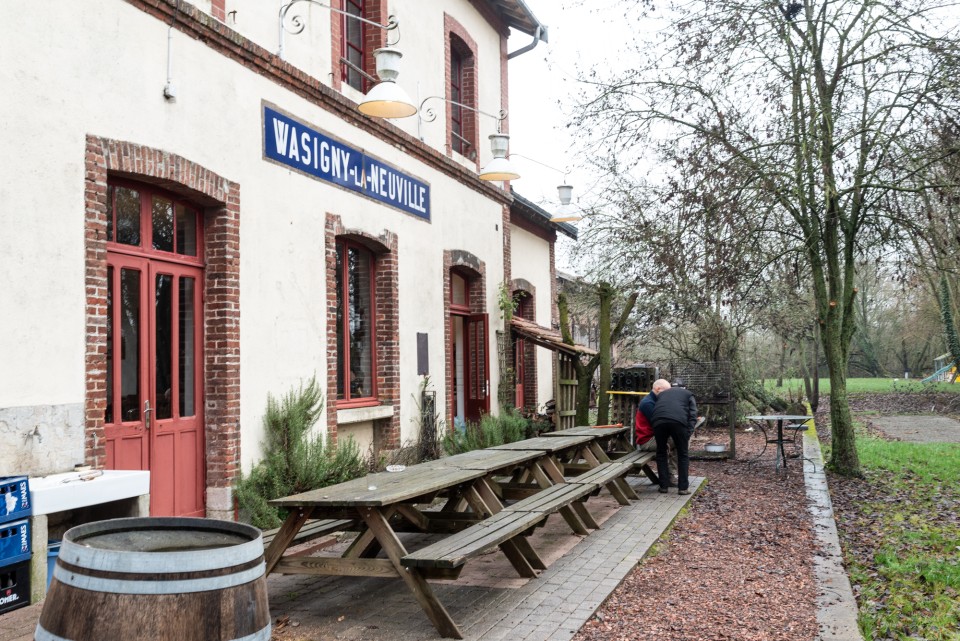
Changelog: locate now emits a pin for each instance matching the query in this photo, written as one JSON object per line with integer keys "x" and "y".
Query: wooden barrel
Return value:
{"x": 158, "y": 578}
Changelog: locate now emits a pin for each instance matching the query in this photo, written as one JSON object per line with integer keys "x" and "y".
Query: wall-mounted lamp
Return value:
{"x": 500, "y": 168}
{"x": 567, "y": 212}
{"x": 386, "y": 99}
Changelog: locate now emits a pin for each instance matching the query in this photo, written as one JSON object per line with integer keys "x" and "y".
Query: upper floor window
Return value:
{"x": 355, "y": 280}
{"x": 459, "y": 143}
{"x": 353, "y": 49}
{"x": 461, "y": 89}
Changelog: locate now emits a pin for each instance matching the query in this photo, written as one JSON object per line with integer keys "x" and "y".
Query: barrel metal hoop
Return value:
{"x": 159, "y": 562}
{"x": 126, "y": 586}
{"x": 262, "y": 635}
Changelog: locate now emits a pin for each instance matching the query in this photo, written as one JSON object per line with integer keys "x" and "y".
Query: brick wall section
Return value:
{"x": 386, "y": 431}
{"x": 374, "y": 39}
{"x": 220, "y": 38}
{"x": 220, "y": 199}
{"x": 218, "y": 8}
{"x": 475, "y": 272}
{"x": 456, "y": 37}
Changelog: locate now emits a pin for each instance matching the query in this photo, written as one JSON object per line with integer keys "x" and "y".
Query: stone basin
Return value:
{"x": 66, "y": 491}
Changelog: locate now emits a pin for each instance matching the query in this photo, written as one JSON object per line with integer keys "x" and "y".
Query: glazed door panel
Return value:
{"x": 125, "y": 428}
{"x": 153, "y": 419}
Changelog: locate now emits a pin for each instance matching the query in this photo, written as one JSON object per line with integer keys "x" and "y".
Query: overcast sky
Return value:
{"x": 543, "y": 88}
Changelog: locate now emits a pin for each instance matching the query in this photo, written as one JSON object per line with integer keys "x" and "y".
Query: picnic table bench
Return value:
{"x": 446, "y": 558}
{"x": 312, "y": 529}
{"x": 476, "y": 516}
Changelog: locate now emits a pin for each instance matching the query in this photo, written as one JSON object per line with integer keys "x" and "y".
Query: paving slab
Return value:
{"x": 919, "y": 428}
{"x": 489, "y": 602}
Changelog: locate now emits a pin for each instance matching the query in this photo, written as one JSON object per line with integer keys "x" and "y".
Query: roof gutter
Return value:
{"x": 538, "y": 35}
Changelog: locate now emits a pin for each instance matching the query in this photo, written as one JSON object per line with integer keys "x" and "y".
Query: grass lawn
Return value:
{"x": 866, "y": 385}
{"x": 902, "y": 540}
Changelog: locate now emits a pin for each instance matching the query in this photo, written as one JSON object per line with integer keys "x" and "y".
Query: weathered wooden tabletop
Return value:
{"x": 549, "y": 444}
{"x": 486, "y": 460}
{"x": 388, "y": 488}
{"x": 586, "y": 430}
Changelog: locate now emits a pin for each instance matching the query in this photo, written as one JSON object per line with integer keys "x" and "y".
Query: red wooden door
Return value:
{"x": 155, "y": 379}
{"x": 476, "y": 367}
{"x": 519, "y": 370}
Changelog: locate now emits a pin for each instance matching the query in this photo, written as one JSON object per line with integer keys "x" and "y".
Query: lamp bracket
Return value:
{"x": 295, "y": 24}
{"x": 428, "y": 114}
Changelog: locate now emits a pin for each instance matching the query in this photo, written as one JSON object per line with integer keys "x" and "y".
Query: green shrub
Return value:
{"x": 294, "y": 460}
{"x": 508, "y": 427}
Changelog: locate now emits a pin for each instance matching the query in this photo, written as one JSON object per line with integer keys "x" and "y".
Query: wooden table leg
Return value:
{"x": 595, "y": 456}
{"x": 437, "y": 614}
{"x": 517, "y": 550}
{"x": 295, "y": 520}
{"x": 598, "y": 452}
{"x": 366, "y": 546}
{"x": 546, "y": 472}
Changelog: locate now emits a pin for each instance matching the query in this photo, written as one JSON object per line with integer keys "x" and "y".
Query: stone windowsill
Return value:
{"x": 364, "y": 414}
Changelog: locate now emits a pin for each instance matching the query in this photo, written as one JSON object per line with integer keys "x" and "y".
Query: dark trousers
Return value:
{"x": 664, "y": 431}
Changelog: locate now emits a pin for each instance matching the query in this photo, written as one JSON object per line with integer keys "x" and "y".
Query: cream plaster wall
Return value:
{"x": 421, "y": 40}
{"x": 102, "y": 73}
{"x": 530, "y": 260}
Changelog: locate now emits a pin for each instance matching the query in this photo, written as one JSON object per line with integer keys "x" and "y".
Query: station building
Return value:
{"x": 197, "y": 216}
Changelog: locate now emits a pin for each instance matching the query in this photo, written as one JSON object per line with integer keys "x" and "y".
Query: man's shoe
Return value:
{"x": 662, "y": 490}
{"x": 683, "y": 492}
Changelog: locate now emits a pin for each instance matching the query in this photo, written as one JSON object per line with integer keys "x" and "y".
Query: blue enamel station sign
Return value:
{"x": 296, "y": 145}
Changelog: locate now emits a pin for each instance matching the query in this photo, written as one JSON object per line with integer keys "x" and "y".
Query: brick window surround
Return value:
{"x": 386, "y": 431}
{"x": 373, "y": 39}
{"x": 475, "y": 272}
{"x": 219, "y": 199}
{"x": 457, "y": 39}
{"x": 523, "y": 289}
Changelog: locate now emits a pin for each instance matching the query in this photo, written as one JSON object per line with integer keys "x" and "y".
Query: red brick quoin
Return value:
{"x": 220, "y": 200}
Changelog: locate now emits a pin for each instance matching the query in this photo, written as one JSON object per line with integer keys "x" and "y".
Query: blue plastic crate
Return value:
{"x": 14, "y": 542}
{"x": 14, "y": 498}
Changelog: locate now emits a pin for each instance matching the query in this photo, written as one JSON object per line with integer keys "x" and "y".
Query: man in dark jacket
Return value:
{"x": 674, "y": 417}
{"x": 644, "y": 438}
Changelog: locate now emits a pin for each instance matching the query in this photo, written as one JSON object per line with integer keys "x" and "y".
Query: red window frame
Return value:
{"x": 458, "y": 143}
{"x": 145, "y": 246}
{"x": 455, "y": 307}
{"x": 348, "y": 46}
{"x": 347, "y": 401}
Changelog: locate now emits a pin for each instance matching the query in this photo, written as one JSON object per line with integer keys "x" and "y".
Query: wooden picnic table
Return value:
{"x": 615, "y": 439}
{"x": 474, "y": 515}
{"x": 373, "y": 499}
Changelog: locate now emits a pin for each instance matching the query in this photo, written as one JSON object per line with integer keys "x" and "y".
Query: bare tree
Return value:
{"x": 819, "y": 104}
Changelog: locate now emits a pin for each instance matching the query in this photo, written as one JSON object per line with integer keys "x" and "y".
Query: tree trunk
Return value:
{"x": 584, "y": 378}
{"x": 843, "y": 452}
{"x": 606, "y": 347}
{"x": 783, "y": 363}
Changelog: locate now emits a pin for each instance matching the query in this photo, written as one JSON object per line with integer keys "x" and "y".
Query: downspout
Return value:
{"x": 529, "y": 47}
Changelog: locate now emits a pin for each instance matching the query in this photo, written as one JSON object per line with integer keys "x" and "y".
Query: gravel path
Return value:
{"x": 918, "y": 429}
{"x": 738, "y": 565}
